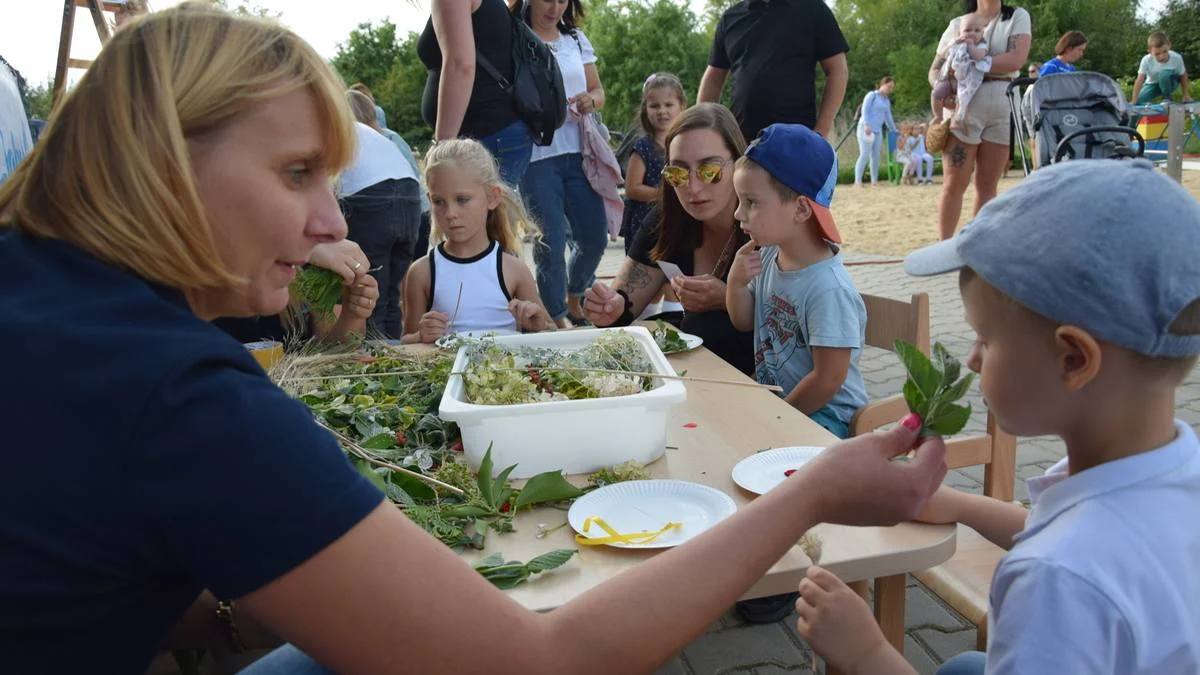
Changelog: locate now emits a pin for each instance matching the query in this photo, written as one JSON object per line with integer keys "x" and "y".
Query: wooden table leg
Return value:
{"x": 860, "y": 587}
{"x": 889, "y": 609}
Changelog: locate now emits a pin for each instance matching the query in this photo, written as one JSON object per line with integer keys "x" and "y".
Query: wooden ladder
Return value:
{"x": 97, "y": 8}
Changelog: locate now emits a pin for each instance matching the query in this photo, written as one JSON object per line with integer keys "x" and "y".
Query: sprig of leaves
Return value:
{"x": 506, "y": 575}
{"x": 668, "y": 339}
{"x": 933, "y": 388}
{"x": 319, "y": 289}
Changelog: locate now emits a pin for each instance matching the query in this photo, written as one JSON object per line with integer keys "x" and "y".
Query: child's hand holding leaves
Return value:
{"x": 933, "y": 387}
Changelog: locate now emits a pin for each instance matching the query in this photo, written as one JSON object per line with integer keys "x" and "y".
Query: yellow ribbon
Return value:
{"x": 615, "y": 537}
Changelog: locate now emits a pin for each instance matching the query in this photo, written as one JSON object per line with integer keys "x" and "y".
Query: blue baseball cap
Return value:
{"x": 1110, "y": 246}
{"x": 803, "y": 160}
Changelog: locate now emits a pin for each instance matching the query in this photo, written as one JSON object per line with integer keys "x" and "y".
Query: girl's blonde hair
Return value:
{"x": 362, "y": 107}
{"x": 508, "y": 223}
{"x": 112, "y": 173}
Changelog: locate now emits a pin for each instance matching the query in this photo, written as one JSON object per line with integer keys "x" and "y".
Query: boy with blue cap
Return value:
{"x": 1086, "y": 309}
{"x": 808, "y": 318}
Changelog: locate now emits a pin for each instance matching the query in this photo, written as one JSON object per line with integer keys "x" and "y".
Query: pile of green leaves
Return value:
{"x": 489, "y": 503}
{"x": 509, "y": 375}
{"x": 506, "y": 575}
{"x": 618, "y": 473}
{"x": 933, "y": 389}
{"x": 667, "y": 338}
{"x": 394, "y": 415}
{"x": 319, "y": 289}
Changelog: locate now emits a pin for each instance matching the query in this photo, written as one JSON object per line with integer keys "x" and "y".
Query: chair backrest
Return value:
{"x": 889, "y": 320}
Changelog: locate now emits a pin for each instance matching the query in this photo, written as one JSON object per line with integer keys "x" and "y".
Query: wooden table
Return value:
{"x": 733, "y": 423}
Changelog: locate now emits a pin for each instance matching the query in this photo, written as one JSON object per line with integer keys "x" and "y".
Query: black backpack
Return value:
{"x": 536, "y": 88}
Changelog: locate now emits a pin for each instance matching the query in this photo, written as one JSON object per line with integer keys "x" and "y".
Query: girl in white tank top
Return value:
{"x": 473, "y": 280}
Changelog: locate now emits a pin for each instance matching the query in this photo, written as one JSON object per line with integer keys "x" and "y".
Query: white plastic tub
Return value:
{"x": 572, "y": 436}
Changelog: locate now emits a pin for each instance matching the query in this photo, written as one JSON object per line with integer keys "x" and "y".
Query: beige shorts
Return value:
{"x": 987, "y": 117}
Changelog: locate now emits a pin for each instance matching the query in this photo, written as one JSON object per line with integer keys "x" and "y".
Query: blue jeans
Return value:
{"x": 512, "y": 147}
{"x": 868, "y": 151}
{"x": 561, "y": 200}
{"x": 827, "y": 419}
{"x": 385, "y": 221}
{"x": 966, "y": 663}
{"x": 287, "y": 660}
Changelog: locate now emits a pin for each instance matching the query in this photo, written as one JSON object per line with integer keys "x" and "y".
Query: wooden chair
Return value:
{"x": 964, "y": 580}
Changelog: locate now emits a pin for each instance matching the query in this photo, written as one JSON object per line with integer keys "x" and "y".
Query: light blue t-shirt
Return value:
{"x": 877, "y": 111}
{"x": 817, "y": 306}
{"x": 406, "y": 150}
{"x": 1150, "y": 67}
{"x": 1103, "y": 579}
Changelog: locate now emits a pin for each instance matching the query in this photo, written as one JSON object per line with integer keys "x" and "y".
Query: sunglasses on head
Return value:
{"x": 707, "y": 172}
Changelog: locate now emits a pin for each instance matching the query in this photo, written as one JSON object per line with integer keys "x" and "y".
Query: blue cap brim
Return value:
{"x": 938, "y": 258}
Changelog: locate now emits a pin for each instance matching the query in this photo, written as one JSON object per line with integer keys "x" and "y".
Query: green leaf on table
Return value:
{"x": 366, "y": 469}
{"x": 546, "y": 487}
{"x": 551, "y": 560}
{"x": 490, "y": 561}
{"x": 397, "y": 494}
{"x": 950, "y": 420}
{"x": 415, "y": 488}
{"x": 484, "y": 478}
{"x": 946, "y": 363}
{"x": 381, "y": 441}
{"x": 920, "y": 369}
{"x": 500, "y": 490}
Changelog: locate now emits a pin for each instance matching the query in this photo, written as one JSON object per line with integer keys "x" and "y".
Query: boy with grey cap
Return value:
{"x": 1086, "y": 308}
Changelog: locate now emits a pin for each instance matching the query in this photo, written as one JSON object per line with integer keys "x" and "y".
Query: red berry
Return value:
{"x": 457, "y": 447}
{"x": 505, "y": 507}
{"x": 789, "y": 472}
{"x": 401, "y": 438}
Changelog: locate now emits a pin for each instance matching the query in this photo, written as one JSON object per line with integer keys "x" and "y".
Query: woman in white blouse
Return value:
{"x": 555, "y": 188}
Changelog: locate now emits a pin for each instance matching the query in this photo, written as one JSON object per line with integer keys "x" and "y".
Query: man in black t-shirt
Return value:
{"x": 773, "y": 48}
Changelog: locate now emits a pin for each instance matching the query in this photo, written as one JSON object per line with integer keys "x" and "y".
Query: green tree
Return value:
{"x": 634, "y": 38}
{"x": 400, "y": 94}
{"x": 38, "y": 101}
{"x": 1181, "y": 22}
{"x": 1116, "y": 36}
{"x": 248, "y": 9}
{"x": 369, "y": 55}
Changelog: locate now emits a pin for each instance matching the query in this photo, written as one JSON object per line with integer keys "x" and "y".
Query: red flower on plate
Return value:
{"x": 690, "y": 425}
{"x": 789, "y": 472}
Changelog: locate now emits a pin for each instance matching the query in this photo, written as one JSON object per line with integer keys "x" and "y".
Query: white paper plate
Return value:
{"x": 692, "y": 341}
{"x": 648, "y": 505}
{"x": 761, "y": 472}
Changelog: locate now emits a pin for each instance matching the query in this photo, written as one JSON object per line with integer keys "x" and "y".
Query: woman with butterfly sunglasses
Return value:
{"x": 693, "y": 228}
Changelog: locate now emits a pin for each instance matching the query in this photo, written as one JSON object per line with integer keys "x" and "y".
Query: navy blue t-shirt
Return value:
{"x": 146, "y": 457}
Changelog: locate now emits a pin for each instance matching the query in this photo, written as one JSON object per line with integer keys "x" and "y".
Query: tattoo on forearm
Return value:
{"x": 958, "y": 156}
{"x": 638, "y": 278}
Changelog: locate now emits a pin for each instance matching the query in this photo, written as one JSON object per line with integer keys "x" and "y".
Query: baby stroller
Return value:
{"x": 1078, "y": 115}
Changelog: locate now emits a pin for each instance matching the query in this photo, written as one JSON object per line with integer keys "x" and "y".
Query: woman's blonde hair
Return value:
{"x": 508, "y": 223}
{"x": 363, "y": 108}
{"x": 112, "y": 173}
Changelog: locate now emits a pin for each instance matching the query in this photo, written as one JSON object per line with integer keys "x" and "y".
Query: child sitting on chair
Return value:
{"x": 905, "y": 143}
{"x": 1087, "y": 343}
{"x": 967, "y": 61}
{"x": 808, "y": 319}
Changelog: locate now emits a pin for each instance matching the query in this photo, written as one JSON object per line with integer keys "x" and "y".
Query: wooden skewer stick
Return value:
{"x": 360, "y": 452}
{"x": 351, "y": 376}
{"x": 457, "y": 304}
{"x": 606, "y": 371}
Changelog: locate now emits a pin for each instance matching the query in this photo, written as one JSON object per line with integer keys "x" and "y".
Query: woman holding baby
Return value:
{"x": 979, "y": 145}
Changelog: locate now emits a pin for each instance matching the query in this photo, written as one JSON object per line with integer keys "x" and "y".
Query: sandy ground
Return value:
{"x": 894, "y": 220}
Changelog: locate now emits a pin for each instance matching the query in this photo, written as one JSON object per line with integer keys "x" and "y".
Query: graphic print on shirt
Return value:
{"x": 779, "y": 336}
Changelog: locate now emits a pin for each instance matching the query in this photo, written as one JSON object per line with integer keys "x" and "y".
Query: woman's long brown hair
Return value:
{"x": 678, "y": 233}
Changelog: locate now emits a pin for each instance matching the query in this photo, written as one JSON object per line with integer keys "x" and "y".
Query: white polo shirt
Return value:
{"x": 1105, "y": 577}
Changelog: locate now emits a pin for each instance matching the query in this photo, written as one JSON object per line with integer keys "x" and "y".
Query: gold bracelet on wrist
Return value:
{"x": 225, "y": 617}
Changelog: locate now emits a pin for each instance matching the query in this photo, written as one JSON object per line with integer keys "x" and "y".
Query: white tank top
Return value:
{"x": 484, "y": 304}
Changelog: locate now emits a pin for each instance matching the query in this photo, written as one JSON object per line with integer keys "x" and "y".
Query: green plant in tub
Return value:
{"x": 933, "y": 388}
